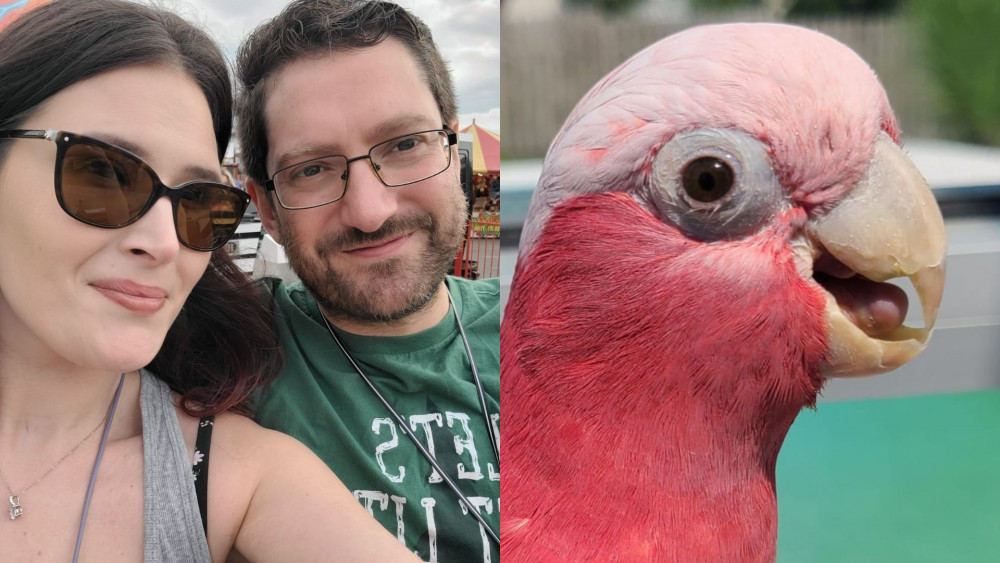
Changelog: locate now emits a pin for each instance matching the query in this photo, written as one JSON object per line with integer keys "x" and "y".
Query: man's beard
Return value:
{"x": 389, "y": 290}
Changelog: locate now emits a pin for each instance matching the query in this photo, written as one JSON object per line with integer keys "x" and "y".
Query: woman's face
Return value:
{"x": 72, "y": 293}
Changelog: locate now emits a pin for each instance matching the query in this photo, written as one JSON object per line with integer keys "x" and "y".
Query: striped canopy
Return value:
{"x": 485, "y": 149}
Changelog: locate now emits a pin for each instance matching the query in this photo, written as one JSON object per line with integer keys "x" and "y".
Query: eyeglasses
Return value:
{"x": 400, "y": 161}
{"x": 105, "y": 186}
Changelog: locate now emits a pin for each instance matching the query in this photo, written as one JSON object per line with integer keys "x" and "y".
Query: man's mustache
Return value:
{"x": 393, "y": 227}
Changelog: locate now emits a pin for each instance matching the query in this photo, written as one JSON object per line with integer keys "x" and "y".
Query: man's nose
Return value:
{"x": 368, "y": 202}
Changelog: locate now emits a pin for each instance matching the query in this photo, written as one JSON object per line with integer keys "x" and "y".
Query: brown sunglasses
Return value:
{"x": 107, "y": 186}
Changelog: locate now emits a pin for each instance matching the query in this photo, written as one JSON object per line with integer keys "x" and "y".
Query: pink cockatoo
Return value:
{"x": 709, "y": 241}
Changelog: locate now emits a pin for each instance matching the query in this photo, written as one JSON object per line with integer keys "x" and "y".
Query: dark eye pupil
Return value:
{"x": 707, "y": 179}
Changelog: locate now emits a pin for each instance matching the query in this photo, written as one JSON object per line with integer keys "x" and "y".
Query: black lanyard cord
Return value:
{"x": 494, "y": 439}
{"x": 406, "y": 429}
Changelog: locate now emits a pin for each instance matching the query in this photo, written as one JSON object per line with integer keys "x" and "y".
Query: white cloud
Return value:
{"x": 489, "y": 120}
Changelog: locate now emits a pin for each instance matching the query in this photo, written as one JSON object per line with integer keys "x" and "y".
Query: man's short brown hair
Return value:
{"x": 307, "y": 28}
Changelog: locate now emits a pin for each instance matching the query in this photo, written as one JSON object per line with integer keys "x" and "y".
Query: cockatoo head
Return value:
{"x": 729, "y": 131}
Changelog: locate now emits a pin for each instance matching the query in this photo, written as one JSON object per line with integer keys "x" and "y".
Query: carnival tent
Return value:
{"x": 485, "y": 149}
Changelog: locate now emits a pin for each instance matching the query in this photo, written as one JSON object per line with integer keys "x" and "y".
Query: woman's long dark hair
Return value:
{"x": 225, "y": 341}
{"x": 223, "y": 345}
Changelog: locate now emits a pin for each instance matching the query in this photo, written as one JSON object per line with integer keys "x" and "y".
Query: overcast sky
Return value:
{"x": 466, "y": 31}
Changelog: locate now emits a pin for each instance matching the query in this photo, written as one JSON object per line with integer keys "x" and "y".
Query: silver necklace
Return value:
{"x": 494, "y": 440}
{"x": 14, "y": 499}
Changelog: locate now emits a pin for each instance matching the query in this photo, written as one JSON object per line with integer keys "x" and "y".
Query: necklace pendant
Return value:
{"x": 15, "y": 507}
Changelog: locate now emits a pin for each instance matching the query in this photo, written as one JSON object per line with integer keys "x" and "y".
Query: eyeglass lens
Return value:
{"x": 106, "y": 187}
{"x": 397, "y": 162}
{"x": 411, "y": 158}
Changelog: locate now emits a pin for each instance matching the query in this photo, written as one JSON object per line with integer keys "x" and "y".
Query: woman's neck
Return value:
{"x": 48, "y": 404}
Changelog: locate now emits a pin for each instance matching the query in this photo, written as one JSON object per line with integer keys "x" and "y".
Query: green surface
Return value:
{"x": 908, "y": 479}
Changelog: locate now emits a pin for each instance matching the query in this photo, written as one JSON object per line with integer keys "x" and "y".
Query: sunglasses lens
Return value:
{"x": 103, "y": 186}
{"x": 208, "y": 214}
{"x": 106, "y": 187}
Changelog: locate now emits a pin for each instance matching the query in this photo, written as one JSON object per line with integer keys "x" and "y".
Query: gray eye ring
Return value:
{"x": 748, "y": 197}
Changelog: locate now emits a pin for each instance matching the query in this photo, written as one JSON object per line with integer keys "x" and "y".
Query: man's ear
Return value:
{"x": 267, "y": 213}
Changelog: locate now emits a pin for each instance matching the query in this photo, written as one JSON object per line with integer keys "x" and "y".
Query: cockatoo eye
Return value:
{"x": 714, "y": 184}
{"x": 707, "y": 179}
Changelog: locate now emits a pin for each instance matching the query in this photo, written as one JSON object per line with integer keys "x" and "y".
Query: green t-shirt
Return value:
{"x": 321, "y": 400}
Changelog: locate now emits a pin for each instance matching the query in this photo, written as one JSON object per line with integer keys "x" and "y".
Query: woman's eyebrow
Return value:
{"x": 193, "y": 171}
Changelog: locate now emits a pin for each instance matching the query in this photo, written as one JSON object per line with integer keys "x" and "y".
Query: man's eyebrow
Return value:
{"x": 402, "y": 125}
{"x": 394, "y": 127}
{"x": 193, "y": 171}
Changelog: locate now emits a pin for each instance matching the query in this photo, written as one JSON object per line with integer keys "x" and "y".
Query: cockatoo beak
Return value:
{"x": 889, "y": 226}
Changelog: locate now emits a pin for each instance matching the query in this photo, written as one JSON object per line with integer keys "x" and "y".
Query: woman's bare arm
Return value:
{"x": 297, "y": 510}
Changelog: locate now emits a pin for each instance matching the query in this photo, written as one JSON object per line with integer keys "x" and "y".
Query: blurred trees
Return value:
{"x": 824, "y": 7}
{"x": 778, "y": 8}
{"x": 806, "y": 7}
{"x": 609, "y": 7}
{"x": 961, "y": 47}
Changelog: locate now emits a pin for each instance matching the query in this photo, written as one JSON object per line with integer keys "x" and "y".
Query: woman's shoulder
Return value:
{"x": 242, "y": 458}
{"x": 244, "y": 435}
{"x": 242, "y": 449}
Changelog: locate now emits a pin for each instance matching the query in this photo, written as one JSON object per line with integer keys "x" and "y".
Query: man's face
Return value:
{"x": 379, "y": 253}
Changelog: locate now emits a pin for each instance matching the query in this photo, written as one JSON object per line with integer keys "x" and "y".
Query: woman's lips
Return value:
{"x": 138, "y": 298}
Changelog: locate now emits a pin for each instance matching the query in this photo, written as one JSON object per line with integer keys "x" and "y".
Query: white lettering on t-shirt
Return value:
{"x": 469, "y": 467}
{"x": 465, "y": 445}
{"x": 386, "y": 446}
{"x": 494, "y": 474}
{"x": 425, "y": 420}
{"x": 369, "y": 498}
{"x": 484, "y": 504}
{"x": 432, "y": 536}
{"x": 400, "y": 529}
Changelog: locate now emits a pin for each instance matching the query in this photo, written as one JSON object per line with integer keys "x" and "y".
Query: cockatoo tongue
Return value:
{"x": 876, "y": 308}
